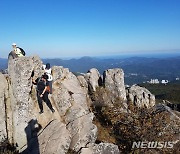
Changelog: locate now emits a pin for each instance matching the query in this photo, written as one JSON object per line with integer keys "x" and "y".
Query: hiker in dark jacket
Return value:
{"x": 42, "y": 92}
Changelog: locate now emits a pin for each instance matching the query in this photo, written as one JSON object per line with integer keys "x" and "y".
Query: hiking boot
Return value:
{"x": 41, "y": 112}
{"x": 53, "y": 110}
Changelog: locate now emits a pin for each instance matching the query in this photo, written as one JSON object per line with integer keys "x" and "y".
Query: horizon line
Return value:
{"x": 120, "y": 55}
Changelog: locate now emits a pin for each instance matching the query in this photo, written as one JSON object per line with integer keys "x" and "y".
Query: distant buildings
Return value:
{"x": 156, "y": 81}
{"x": 164, "y": 81}
{"x": 133, "y": 74}
{"x": 153, "y": 81}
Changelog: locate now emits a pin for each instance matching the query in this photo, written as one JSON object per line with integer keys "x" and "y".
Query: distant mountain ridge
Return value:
{"x": 145, "y": 68}
{"x": 3, "y": 63}
{"x": 137, "y": 69}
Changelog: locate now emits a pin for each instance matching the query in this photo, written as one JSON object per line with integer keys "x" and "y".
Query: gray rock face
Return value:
{"x": 54, "y": 134}
{"x": 102, "y": 148}
{"x": 114, "y": 82}
{"x": 73, "y": 127}
{"x": 93, "y": 79}
{"x": 20, "y": 71}
{"x": 3, "y": 95}
{"x": 141, "y": 97}
{"x": 59, "y": 72}
{"x": 69, "y": 93}
{"x": 23, "y": 106}
{"x": 83, "y": 82}
{"x": 83, "y": 131}
{"x": 71, "y": 100}
{"x": 55, "y": 138}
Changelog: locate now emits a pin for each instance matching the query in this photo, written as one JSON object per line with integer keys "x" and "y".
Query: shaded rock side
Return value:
{"x": 3, "y": 95}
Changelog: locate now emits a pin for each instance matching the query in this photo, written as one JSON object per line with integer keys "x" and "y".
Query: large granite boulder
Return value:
{"x": 23, "y": 106}
{"x": 93, "y": 79}
{"x": 102, "y": 148}
{"x": 83, "y": 131}
{"x": 59, "y": 72}
{"x": 140, "y": 96}
{"x": 72, "y": 103}
{"x": 83, "y": 82}
{"x": 20, "y": 73}
{"x": 55, "y": 138}
{"x": 114, "y": 82}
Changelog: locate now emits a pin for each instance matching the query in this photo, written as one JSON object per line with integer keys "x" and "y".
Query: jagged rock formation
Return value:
{"x": 109, "y": 88}
{"x": 72, "y": 104}
{"x": 71, "y": 126}
{"x": 141, "y": 97}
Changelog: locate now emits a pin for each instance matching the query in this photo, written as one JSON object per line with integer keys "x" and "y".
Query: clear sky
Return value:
{"x": 68, "y": 28}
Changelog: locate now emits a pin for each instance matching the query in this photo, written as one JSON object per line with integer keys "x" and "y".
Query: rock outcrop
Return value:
{"x": 54, "y": 134}
{"x": 23, "y": 106}
{"x": 71, "y": 126}
{"x": 141, "y": 97}
{"x": 21, "y": 86}
{"x": 72, "y": 103}
{"x": 93, "y": 79}
{"x": 114, "y": 82}
{"x": 102, "y": 148}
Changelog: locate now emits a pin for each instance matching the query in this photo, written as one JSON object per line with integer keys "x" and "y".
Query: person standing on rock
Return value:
{"x": 42, "y": 92}
{"x": 48, "y": 71}
{"x": 16, "y": 52}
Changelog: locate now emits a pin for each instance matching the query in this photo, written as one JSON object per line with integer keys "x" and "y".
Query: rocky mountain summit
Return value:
{"x": 86, "y": 106}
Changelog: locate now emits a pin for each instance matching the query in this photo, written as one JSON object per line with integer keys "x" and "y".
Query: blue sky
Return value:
{"x": 70, "y": 28}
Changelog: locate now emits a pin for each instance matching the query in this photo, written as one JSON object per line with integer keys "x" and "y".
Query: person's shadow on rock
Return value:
{"x": 31, "y": 131}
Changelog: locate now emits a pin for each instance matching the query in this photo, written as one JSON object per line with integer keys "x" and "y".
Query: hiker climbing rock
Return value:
{"x": 16, "y": 52}
{"x": 42, "y": 92}
{"x": 48, "y": 72}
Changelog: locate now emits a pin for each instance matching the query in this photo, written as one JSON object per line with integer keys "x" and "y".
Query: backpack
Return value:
{"x": 22, "y": 51}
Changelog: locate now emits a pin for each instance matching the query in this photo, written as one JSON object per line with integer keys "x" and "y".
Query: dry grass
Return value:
{"x": 138, "y": 125}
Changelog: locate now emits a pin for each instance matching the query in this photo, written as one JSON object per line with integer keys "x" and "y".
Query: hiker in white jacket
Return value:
{"x": 48, "y": 71}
